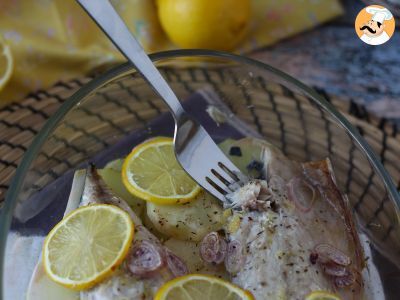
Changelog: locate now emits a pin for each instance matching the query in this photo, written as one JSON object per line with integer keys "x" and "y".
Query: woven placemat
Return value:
{"x": 20, "y": 122}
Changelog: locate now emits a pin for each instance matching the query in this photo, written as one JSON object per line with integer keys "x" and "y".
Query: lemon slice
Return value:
{"x": 87, "y": 245}
{"x": 151, "y": 172}
{"x": 201, "y": 287}
{"x": 6, "y": 63}
{"x": 321, "y": 295}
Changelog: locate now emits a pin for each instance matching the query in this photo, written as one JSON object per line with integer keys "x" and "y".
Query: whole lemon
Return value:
{"x": 216, "y": 24}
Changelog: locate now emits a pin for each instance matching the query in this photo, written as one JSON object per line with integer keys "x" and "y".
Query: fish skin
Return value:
{"x": 122, "y": 285}
{"x": 278, "y": 243}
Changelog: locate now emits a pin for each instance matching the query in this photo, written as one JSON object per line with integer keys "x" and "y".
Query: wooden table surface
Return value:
{"x": 332, "y": 57}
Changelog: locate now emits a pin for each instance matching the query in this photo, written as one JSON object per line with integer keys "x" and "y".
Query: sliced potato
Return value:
{"x": 111, "y": 175}
{"x": 190, "y": 221}
{"x": 189, "y": 253}
{"x": 149, "y": 225}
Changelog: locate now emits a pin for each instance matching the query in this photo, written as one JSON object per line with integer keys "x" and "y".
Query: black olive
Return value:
{"x": 235, "y": 151}
{"x": 255, "y": 165}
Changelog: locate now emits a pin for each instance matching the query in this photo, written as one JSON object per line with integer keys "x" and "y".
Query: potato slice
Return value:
{"x": 149, "y": 225}
{"x": 189, "y": 253}
{"x": 190, "y": 221}
{"x": 111, "y": 175}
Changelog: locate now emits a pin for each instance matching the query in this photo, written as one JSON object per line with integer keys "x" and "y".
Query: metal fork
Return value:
{"x": 195, "y": 150}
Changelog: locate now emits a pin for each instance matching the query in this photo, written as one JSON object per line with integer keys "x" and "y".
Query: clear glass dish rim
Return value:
{"x": 52, "y": 122}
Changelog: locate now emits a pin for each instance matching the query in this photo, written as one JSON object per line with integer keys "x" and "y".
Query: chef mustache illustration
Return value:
{"x": 368, "y": 28}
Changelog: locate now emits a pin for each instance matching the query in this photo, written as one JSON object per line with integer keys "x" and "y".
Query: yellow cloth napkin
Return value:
{"x": 54, "y": 40}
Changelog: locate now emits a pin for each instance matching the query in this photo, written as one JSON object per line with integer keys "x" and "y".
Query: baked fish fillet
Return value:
{"x": 148, "y": 265}
{"x": 293, "y": 233}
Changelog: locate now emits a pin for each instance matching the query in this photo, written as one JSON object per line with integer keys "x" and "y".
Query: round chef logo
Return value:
{"x": 375, "y": 25}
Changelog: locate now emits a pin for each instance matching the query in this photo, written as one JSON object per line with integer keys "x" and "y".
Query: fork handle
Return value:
{"x": 106, "y": 17}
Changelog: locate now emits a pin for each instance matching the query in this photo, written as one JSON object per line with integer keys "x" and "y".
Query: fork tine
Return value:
{"x": 216, "y": 186}
{"x": 221, "y": 178}
{"x": 238, "y": 178}
{"x": 230, "y": 185}
{"x": 228, "y": 171}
